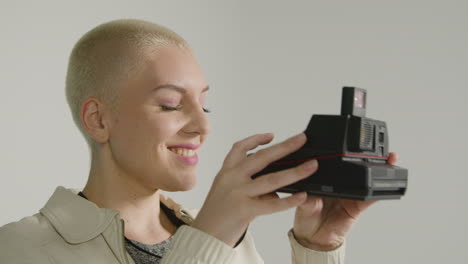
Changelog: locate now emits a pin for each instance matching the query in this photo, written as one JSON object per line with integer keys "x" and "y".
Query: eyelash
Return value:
{"x": 170, "y": 108}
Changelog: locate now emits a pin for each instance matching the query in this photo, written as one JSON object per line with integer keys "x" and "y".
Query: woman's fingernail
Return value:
{"x": 301, "y": 195}
{"x": 310, "y": 165}
{"x": 299, "y": 137}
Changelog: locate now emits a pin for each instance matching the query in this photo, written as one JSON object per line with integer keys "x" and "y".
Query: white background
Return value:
{"x": 271, "y": 65}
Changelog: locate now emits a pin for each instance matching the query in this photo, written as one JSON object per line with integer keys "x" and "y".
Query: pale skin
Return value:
{"x": 133, "y": 163}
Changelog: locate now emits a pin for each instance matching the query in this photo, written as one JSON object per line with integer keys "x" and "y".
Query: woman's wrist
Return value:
{"x": 317, "y": 246}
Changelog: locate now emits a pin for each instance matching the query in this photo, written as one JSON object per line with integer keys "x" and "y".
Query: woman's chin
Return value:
{"x": 186, "y": 185}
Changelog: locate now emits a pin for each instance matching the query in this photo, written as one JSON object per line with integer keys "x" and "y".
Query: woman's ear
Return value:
{"x": 94, "y": 119}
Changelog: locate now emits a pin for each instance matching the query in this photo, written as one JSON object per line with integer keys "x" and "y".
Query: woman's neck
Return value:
{"x": 139, "y": 207}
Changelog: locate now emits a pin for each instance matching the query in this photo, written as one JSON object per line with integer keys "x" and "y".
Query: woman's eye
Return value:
{"x": 171, "y": 108}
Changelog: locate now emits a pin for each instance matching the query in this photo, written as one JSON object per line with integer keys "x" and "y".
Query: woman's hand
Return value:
{"x": 322, "y": 223}
{"x": 235, "y": 199}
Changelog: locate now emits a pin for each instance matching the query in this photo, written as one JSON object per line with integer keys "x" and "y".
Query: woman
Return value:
{"x": 137, "y": 95}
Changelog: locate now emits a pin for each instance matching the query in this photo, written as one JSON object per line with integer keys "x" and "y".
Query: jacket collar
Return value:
{"x": 78, "y": 220}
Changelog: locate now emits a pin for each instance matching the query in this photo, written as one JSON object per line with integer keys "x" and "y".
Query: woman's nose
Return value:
{"x": 199, "y": 122}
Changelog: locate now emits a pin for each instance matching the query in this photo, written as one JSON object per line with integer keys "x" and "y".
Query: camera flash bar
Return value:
{"x": 353, "y": 101}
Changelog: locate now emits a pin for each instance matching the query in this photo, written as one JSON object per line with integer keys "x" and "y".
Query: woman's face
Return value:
{"x": 143, "y": 129}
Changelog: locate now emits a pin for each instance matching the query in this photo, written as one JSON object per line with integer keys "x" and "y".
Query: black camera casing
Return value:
{"x": 352, "y": 152}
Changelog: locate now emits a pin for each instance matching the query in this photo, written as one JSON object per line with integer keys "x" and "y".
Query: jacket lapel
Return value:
{"x": 76, "y": 219}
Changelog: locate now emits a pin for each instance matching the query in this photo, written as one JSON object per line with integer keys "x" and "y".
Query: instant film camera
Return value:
{"x": 352, "y": 152}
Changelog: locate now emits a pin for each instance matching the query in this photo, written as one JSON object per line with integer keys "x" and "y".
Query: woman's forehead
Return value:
{"x": 175, "y": 69}
{"x": 169, "y": 70}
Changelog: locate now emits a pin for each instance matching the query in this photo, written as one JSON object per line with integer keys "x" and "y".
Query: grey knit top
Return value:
{"x": 144, "y": 253}
{"x": 147, "y": 254}
{"x": 152, "y": 254}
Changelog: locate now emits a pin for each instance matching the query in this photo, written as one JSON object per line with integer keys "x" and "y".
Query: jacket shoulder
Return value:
{"x": 22, "y": 240}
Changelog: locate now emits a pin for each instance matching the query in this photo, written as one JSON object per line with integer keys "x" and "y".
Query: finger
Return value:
{"x": 280, "y": 204}
{"x": 265, "y": 156}
{"x": 268, "y": 196}
{"x": 275, "y": 180}
{"x": 363, "y": 205}
{"x": 354, "y": 208}
{"x": 392, "y": 158}
{"x": 311, "y": 206}
{"x": 239, "y": 148}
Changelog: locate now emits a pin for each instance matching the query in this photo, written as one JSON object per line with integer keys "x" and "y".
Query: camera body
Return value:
{"x": 352, "y": 152}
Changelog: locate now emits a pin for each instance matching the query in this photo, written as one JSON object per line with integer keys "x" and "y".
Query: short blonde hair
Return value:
{"x": 106, "y": 57}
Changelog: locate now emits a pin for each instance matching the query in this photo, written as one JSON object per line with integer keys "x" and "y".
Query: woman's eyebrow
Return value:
{"x": 176, "y": 88}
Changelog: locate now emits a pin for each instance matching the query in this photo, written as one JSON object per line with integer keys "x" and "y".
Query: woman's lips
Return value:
{"x": 192, "y": 160}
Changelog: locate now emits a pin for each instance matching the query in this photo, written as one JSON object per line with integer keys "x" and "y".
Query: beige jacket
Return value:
{"x": 72, "y": 230}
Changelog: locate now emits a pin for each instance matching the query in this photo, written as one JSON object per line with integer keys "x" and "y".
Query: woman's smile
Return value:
{"x": 187, "y": 156}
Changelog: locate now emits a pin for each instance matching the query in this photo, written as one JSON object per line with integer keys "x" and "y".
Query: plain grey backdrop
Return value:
{"x": 270, "y": 65}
